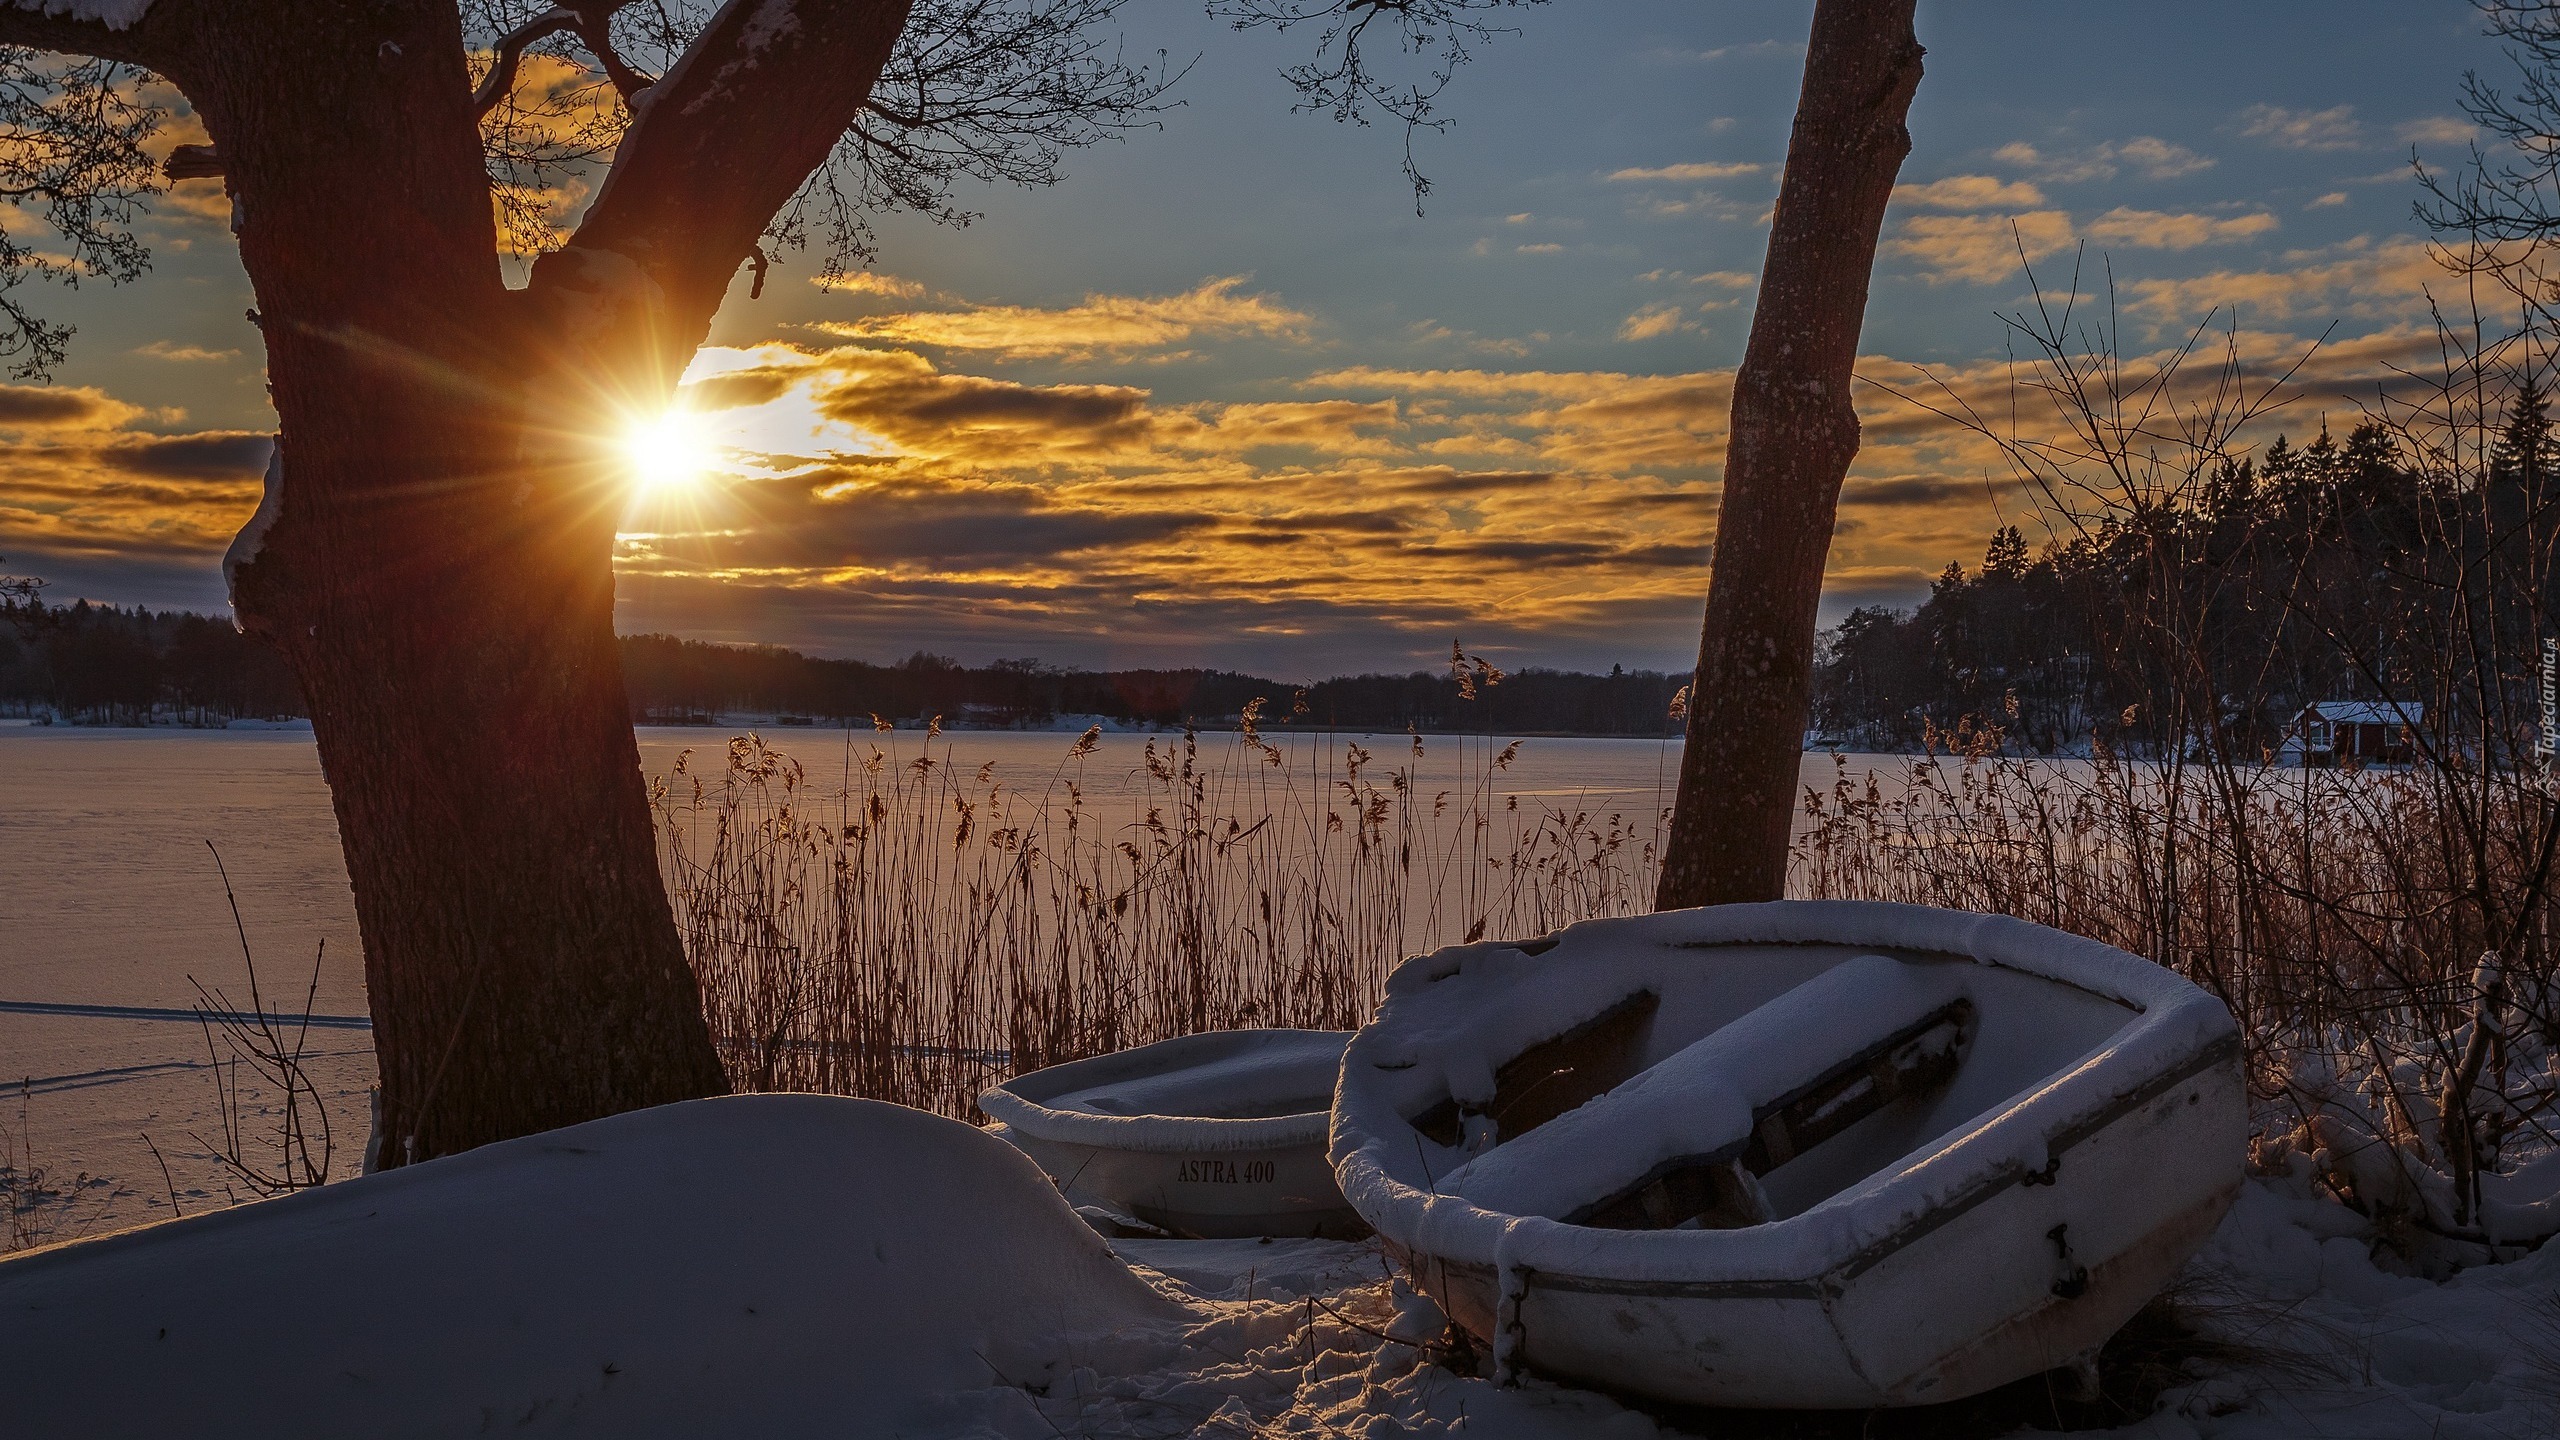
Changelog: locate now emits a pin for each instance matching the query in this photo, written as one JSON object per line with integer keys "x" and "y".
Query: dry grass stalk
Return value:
{"x": 914, "y": 931}
{"x": 2328, "y": 908}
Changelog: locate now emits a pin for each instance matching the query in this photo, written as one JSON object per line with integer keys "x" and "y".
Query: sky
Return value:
{"x": 1222, "y": 397}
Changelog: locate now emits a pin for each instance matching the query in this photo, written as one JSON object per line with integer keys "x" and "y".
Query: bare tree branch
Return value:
{"x": 591, "y": 22}
{"x": 1437, "y": 36}
{"x": 71, "y": 152}
{"x": 975, "y": 90}
{"x": 508, "y": 56}
{"x": 684, "y": 203}
{"x": 972, "y": 90}
{"x": 993, "y": 91}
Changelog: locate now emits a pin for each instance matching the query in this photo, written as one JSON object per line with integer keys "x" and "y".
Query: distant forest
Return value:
{"x": 2328, "y": 571}
{"x": 101, "y": 664}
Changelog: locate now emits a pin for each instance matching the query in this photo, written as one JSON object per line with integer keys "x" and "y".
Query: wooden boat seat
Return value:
{"x": 1683, "y": 1143}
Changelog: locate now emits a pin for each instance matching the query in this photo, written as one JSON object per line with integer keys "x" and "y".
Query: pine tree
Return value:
{"x": 2232, "y": 490}
{"x": 2006, "y": 558}
{"x": 2526, "y": 453}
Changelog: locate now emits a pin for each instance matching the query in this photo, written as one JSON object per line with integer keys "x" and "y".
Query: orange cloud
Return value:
{"x": 1103, "y": 324}
{"x": 2359, "y": 278}
{"x": 1690, "y": 173}
{"x": 1980, "y": 249}
{"x": 1970, "y": 192}
{"x": 57, "y": 407}
{"x": 2164, "y": 230}
{"x": 2146, "y": 155}
{"x": 131, "y": 494}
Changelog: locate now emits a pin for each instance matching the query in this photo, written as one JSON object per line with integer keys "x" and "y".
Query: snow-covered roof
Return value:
{"x": 2366, "y": 712}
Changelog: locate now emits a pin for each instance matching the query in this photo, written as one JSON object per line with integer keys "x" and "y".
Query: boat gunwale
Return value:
{"x": 1830, "y": 1283}
{"x": 1147, "y": 1133}
{"x": 1453, "y": 1232}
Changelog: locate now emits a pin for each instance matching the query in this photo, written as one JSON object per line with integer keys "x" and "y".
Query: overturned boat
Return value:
{"x": 1216, "y": 1136}
{"x": 1809, "y": 1154}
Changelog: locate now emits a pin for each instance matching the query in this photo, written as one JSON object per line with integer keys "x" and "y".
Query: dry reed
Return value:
{"x": 913, "y": 930}
{"x": 2336, "y": 911}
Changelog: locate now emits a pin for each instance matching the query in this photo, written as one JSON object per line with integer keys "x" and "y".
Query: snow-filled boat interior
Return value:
{"x": 1742, "y": 1084}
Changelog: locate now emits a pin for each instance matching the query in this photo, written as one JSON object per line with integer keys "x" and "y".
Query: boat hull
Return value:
{"x": 1214, "y": 1136}
{"x": 1285, "y": 1191}
{"x": 1896, "y": 1328}
{"x": 2090, "y": 1139}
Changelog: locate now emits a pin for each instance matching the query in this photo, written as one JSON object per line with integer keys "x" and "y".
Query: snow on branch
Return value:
{"x": 101, "y": 29}
{"x": 113, "y": 14}
{"x": 1342, "y": 78}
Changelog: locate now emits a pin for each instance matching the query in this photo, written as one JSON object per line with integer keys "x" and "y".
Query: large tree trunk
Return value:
{"x": 1793, "y": 434}
{"x": 438, "y": 562}
{"x": 440, "y": 575}
{"x": 523, "y": 968}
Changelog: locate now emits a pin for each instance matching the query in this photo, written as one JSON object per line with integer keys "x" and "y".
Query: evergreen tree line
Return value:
{"x": 2215, "y": 612}
{"x": 104, "y": 664}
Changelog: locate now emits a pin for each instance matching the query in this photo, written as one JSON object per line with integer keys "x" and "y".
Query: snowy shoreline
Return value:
{"x": 881, "y": 1271}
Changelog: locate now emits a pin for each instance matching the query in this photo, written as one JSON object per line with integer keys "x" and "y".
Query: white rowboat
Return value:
{"x": 1805, "y": 1155}
{"x": 1215, "y": 1136}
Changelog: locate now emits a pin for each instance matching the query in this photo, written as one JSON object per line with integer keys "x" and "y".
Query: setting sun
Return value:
{"x": 671, "y": 452}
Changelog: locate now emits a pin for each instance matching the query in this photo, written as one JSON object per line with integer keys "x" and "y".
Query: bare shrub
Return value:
{"x": 2344, "y": 914}
{"x": 276, "y": 1133}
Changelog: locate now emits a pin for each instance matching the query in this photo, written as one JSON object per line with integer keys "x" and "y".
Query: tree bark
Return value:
{"x": 445, "y": 593}
{"x": 1793, "y": 434}
{"x": 440, "y": 569}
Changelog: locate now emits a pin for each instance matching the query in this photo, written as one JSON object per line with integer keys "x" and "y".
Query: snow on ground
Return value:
{"x": 2353, "y": 1351}
{"x": 803, "y": 1265}
{"x": 777, "y": 1265}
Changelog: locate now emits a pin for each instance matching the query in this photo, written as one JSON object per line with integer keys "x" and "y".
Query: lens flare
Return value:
{"x": 670, "y": 454}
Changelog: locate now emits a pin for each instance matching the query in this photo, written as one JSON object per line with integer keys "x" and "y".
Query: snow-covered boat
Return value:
{"x": 1216, "y": 1136}
{"x": 1805, "y": 1154}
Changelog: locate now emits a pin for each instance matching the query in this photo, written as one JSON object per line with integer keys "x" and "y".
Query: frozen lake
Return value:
{"x": 112, "y": 897}
{"x": 112, "y": 904}
{"x": 113, "y": 907}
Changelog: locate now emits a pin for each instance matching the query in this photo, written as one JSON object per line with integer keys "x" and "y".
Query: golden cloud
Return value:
{"x": 1690, "y": 173}
{"x": 1654, "y": 321}
{"x": 2146, "y": 155}
{"x": 167, "y": 350}
{"x": 2164, "y": 230}
{"x": 1980, "y": 249}
{"x": 870, "y": 282}
{"x": 1970, "y": 192}
{"x": 2360, "y": 278}
{"x": 58, "y": 407}
{"x": 1102, "y": 325}
{"x": 129, "y": 494}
